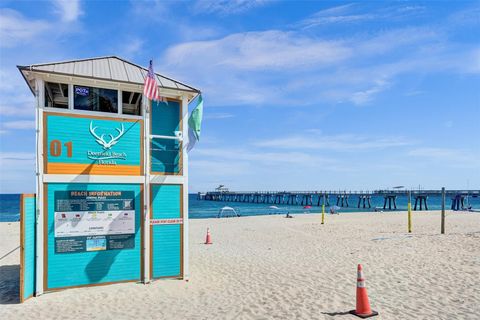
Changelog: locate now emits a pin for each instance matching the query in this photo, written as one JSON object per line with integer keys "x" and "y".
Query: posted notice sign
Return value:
{"x": 94, "y": 220}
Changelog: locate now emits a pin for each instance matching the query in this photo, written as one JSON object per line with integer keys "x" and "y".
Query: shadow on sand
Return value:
{"x": 336, "y": 313}
{"x": 10, "y": 284}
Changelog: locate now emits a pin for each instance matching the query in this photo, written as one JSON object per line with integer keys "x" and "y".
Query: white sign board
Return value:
{"x": 91, "y": 223}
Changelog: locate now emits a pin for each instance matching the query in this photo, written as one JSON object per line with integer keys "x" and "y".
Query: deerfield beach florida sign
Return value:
{"x": 107, "y": 141}
{"x": 78, "y": 143}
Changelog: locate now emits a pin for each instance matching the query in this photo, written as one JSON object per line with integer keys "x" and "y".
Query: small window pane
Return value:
{"x": 95, "y": 99}
{"x": 131, "y": 103}
{"x": 165, "y": 155}
{"x": 56, "y": 95}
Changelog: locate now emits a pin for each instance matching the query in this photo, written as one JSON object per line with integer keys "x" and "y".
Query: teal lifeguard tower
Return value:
{"x": 111, "y": 201}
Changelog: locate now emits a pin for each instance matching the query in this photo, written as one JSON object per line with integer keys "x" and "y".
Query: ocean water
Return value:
{"x": 210, "y": 209}
{"x": 10, "y": 206}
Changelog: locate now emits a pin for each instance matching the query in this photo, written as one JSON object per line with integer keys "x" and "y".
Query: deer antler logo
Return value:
{"x": 100, "y": 139}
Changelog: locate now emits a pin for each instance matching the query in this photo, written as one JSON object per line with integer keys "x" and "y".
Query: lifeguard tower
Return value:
{"x": 111, "y": 202}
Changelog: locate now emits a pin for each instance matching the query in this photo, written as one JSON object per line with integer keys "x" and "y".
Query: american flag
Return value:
{"x": 150, "y": 89}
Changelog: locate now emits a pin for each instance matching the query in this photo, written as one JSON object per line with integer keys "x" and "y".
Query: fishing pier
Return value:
{"x": 343, "y": 199}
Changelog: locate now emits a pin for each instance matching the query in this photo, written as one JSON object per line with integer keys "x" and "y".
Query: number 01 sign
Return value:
{"x": 56, "y": 148}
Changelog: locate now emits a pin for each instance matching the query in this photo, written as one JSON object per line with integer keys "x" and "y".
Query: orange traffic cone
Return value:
{"x": 208, "y": 240}
{"x": 363, "y": 309}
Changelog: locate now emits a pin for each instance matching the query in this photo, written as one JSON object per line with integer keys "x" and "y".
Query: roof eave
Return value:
{"x": 21, "y": 68}
{"x": 158, "y": 74}
{"x": 30, "y": 68}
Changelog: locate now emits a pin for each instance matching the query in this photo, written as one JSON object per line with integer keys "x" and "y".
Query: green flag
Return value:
{"x": 195, "y": 123}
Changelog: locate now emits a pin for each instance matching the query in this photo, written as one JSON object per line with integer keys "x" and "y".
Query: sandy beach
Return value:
{"x": 269, "y": 267}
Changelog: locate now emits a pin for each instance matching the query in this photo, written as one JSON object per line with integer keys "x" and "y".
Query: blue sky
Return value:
{"x": 298, "y": 95}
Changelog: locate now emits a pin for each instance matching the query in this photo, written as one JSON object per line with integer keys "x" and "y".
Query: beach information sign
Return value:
{"x": 94, "y": 221}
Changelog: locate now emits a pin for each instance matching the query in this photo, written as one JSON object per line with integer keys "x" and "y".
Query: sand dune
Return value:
{"x": 269, "y": 267}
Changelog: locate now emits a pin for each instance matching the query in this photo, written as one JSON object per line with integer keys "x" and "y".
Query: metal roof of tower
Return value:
{"x": 111, "y": 68}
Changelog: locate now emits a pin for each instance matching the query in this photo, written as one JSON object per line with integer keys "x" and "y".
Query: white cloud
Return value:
{"x": 255, "y": 166}
{"x": 242, "y": 154}
{"x": 130, "y": 47}
{"x": 259, "y": 50}
{"x": 15, "y": 28}
{"x": 466, "y": 17}
{"x": 19, "y": 124}
{"x": 182, "y": 28}
{"x": 155, "y": 9}
{"x": 474, "y": 66}
{"x": 394, "y": 39}
{"x": 338, "y": 10}
{"x": 221, "y": 168}
{"x": 250, "y": 68}
{"x": 16, "y": 156}
{"x": 294, "y": 68}
{"x": 16, "y": 99}
{"x": 344, "y": 142}
{"x": 217, "y": 116}
{"x": 226, "y": 7}
{"x": 363, "y": 97}
{"x": 243, "y": 167}
{"x": 452, "y": 157}
{"x": 349, "y": 13}
{"x": 412, "y": 93}
{"x": 17, "y": 172}
{"x": 337, "y": 14}
{"x": 411, "y": 8}
{"x": 24, "y": 106}
{"x": 68, "y": 10}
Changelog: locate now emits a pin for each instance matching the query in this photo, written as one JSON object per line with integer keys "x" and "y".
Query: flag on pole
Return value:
{"x": 195, "y": 123}
{"x": 150, "y": 89}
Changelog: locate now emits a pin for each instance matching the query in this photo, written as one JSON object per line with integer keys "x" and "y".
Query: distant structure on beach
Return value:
{"x": 111, "y": 201}
{"x": 221, "y": 188}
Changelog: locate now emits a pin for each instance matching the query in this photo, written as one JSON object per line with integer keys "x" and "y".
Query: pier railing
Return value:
{"x": 338, "y": 197}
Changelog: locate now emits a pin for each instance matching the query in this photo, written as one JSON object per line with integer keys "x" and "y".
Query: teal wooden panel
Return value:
{"x": 165, "y": 154}
{"x": 166, "y": 201}
{"x": 28, "y": 233}
{"x": 126, "y": 151}
{"x": 166, "y": 251}
{"x": 94, "y": 267}
{"x": 166, "y": 239}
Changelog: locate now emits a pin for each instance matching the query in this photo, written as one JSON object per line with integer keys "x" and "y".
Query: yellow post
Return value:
{"x": 323, "y": 213}
{"x": 323, "y": 210}
{"x": 409, "y": 206}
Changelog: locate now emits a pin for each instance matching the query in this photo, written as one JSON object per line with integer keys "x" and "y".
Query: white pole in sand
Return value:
{"x": 442, "y": 229}
{"x": 409, "y": 207}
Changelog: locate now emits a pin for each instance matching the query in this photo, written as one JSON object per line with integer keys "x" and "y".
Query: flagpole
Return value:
{"x": 146, "y": 191}
{"x": 184, "y": 143}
